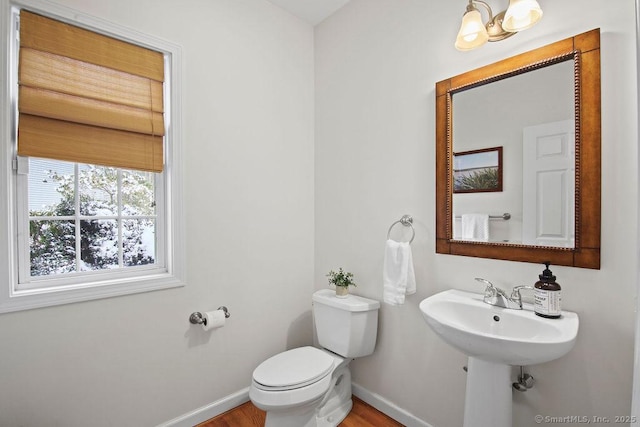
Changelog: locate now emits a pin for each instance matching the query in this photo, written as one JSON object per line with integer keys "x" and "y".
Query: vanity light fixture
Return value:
{"x": 520, "y": 15}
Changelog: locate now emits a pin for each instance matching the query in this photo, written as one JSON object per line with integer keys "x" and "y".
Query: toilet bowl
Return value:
{"x": 291, "y": 386}
{"x": 311, "y": 387}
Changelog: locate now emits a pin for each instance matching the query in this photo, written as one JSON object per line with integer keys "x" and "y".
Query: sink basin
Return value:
{"x": 495, "y": 334}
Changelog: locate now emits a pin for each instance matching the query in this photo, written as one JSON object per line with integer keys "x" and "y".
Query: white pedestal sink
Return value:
{"x": 495, "y": 339}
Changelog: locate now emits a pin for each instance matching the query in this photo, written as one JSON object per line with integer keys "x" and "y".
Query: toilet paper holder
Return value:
{"x": 196, "y": 317}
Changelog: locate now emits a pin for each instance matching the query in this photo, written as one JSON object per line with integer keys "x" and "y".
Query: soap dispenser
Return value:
{"x": 547, "y": 298}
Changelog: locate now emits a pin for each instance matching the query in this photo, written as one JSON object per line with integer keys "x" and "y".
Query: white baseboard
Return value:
{"x": 386, "y": 407}
{"x": 227, "y": 403}
{"x": 209, "y": 411}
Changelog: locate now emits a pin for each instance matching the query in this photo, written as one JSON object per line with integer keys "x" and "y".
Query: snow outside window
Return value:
{"x": 85, "y": 219}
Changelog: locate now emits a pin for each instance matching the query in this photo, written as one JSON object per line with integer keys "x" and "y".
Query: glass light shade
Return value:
{"x": 521, "y": 14}
{"x": 472, "y": 32}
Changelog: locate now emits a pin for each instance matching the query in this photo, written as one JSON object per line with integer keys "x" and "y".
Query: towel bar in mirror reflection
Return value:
{"x": 505, "y": 216}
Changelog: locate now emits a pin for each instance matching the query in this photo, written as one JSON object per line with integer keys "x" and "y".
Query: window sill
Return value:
{"x": 45, "y": 297}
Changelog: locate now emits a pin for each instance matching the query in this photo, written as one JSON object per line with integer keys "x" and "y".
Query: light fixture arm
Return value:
{"x": 494, "y": 23}
{"x": 471, "y": 7}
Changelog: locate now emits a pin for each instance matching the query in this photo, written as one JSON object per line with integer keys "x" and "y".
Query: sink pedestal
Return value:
{"x": 488, "y": 399}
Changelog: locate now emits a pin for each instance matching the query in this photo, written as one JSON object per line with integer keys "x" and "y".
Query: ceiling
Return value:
{"x": 312, "y": 11}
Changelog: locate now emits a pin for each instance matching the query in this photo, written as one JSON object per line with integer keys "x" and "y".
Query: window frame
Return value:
{"x": 83, "y": 287}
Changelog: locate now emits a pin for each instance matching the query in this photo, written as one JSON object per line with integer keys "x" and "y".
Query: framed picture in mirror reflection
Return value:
{"x": 477, "y": 171}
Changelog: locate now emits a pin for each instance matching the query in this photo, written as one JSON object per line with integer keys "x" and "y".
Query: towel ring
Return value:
{"x": 407, "y": 221}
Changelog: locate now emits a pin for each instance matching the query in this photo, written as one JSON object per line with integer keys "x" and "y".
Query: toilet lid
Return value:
{"x": 294, "y": 368}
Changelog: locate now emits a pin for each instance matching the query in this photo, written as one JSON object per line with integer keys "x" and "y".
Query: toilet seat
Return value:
{"x": 293, "y": 369}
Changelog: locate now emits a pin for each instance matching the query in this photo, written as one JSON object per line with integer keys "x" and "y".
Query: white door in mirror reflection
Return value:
{"x": 549, "y": 184}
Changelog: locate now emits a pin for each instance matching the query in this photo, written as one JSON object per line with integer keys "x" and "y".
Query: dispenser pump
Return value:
{"x": 547, "y": 295}
{"x": 547, "y": 275}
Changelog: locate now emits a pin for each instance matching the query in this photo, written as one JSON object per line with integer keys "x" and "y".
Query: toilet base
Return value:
{"x": 297, "y": 417}
{"x": 338, "y": 402}
{"x": 326, "y": 412}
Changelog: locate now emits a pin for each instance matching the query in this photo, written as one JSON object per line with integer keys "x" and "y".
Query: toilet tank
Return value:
{"x": 346, "y": 326}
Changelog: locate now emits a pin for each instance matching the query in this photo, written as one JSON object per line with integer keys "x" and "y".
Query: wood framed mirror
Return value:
{"x": 576, "y": 207}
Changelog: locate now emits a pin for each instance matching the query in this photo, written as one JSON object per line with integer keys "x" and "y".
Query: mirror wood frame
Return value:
{"x": 584, "y": 50}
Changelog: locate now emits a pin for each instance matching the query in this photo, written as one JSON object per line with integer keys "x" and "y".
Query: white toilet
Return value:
{"x": 310, "y": 387}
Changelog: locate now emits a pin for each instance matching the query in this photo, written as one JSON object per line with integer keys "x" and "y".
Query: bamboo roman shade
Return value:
{"x": 85, "y": 97}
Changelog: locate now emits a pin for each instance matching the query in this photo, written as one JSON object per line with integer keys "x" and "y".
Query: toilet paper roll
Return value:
{"x": 213, "y": 319}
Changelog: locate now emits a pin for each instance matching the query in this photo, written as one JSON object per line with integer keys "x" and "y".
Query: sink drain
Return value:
{"x": 496, "y": 318}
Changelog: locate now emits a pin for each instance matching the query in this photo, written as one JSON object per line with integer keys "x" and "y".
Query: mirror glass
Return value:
{"x": 530, "y": 117}
{"x": 518, "y": 157}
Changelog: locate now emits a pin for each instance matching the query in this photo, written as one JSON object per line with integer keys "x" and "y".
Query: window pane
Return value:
{"x": 51, "y": 186}
{"x": 52, "y": 247}
{"x": 106, "y": 194}
{"x": 98, "y": 244}
{"x": 139, "y": 242}
{"x": 138, "y": 193}
{"x": 98, "y": 187}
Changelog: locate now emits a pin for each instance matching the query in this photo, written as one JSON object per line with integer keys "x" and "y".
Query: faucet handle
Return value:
{"x": 490, "y": 290}
{"x": 515, "y": 292}
{"x": 485, "y": 281}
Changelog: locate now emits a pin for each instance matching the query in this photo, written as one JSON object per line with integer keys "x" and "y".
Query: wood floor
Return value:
{"x": 247, "y": 415}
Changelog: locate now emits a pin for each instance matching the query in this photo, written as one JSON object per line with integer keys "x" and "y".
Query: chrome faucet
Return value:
{"x": 496, "y": 296}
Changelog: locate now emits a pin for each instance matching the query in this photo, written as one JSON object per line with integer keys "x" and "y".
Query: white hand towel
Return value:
{"x": 475, "y": 227}
{"x": 398, "y": 275}
{"x": 411, "y": 275}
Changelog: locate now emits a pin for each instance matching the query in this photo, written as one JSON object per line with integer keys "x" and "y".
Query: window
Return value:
{"x": 92, "y": 161}
{"x": 86, "y": 218}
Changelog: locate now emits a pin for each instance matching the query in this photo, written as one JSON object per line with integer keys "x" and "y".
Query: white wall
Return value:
{"x": 248, "y": 144}
{"x": 377, "y": 62}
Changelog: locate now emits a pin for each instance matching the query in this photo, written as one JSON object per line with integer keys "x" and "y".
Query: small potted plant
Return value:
{"x": 341, "y": 280}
